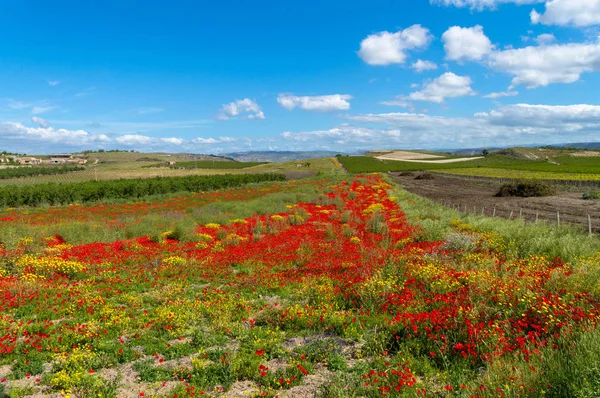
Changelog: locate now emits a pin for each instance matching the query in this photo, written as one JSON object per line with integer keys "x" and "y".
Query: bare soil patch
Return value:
{"x": 479, "y": 196}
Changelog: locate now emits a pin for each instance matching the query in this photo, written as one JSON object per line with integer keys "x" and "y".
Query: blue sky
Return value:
{"x": 214, "y": 77}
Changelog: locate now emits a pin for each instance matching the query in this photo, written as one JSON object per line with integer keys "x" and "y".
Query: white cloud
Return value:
{"x": 421, "y": 66}
{"x": 210, "y": 141}
{"x": 44, "y": 135}
{"x": 17, "y": 105}
{"x": 385, "y": 48}
{"x": 39, "y": 121}
{"x": 545, "y": 38}
{"x": 543, "y": 65}
{"x": 481, "y": 4}
{"x": 561, "y": 117}
{"x": 319, "y": 103}
{"x": 531, "y": 66}
{"x": 466, "y": 43}
{"x": 399, "y": 101}
{"x": 53, "y": 83}
{"x": 238, "y": 107}
{"x": 522, "y": 123}
{"x": 569, "y": 12}
{"x": 502, "y": 94}
{"x": 448, "y": 85}
{"x": 148, "y": 111}
{"x": 36, "y": 110}
{"x": 134, "y": 139}
{"x": 174, "y": 141}
{"x": 344, "y": 134}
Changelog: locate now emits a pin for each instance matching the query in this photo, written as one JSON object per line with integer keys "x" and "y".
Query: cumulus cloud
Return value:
{"x": 39, "y": 121}
{"x": 466, "y": 43}
{"x": 421, "y": 66}
{"x": 481, "y": 4}
{"x": 448, "y": 85}
{"x": 173, "y": 140}
{"x": 134, "y": 139}
{"x": 53, "y": 83}
{"x": 561, "y": 117}
{"x": 531, "y": 66}
{"x": 543, "y": 65}
{"x": 502, "y": 94}
{"x": 385, "y": 48}
{"x": 40, "y": 135}
{"x": 239, "y": 107}
{"x": 319, "y": 103}
{"x": 569, "y": 12}
{"x": 344, "y": 134}
{"x": 545, "y": 38}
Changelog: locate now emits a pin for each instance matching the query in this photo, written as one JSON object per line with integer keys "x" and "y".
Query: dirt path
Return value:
{"x": 478, "y": 196}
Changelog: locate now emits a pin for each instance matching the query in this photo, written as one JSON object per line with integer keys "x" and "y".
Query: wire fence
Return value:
{"x": 590, "y": 223}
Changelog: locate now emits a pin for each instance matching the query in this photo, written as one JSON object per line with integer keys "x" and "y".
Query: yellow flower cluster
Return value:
{"x": 205, "y": 238}
{"x": 174, "y": 260}
{"x": 277, "y": 217}
{"x": 44, "y": 266}
{"x": 355, "y": 239}
{"x": 374, "y": 208}
{"x": 238, "y": 221}
{"x": 212, "y": 225}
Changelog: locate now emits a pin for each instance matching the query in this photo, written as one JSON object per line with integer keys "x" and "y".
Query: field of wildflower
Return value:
{"x": 319, "y": 287}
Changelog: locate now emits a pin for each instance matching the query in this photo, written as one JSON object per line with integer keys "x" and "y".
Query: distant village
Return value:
{"x": 55, "y": 159}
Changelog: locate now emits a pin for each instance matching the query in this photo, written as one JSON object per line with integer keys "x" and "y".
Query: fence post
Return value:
{"x": 511, "y": 214}
{"x": 521, "y": 212}
{"x": 590, "y": 224}
{"x": 483, "y": 211}
{"x": 537, "y": 216}
{"x": 558, "y": 218}
{"x": 494, "y": 212}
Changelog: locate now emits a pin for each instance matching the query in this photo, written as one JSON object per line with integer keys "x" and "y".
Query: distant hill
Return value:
{"x": 278, "y": 156}
{"x": 583, "y": 145}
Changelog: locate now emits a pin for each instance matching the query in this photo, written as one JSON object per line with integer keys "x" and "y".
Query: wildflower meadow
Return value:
{"x": 330, "y": 286}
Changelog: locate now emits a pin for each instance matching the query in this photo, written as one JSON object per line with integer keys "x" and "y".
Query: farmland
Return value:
{"x": 563, "y": 166}
{"x": 334, "y": 286}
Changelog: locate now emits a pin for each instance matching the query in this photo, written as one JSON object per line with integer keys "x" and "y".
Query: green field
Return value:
{"x": 566, "y": 164}
{"x": 210, "y": 164}
{"x": 115, "y": 169}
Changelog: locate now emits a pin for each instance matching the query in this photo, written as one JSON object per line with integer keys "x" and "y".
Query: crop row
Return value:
{"x": 91, "y": 191}
{"x": 15, "y": 172}
{"x": 524, "y": 174}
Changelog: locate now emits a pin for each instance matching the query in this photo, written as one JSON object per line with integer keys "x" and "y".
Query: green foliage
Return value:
{"x": 525, "y": 189}
{"x": 15, "y": 172}
{"x": 594, "y": 195}
{"x": 93, "y": 191}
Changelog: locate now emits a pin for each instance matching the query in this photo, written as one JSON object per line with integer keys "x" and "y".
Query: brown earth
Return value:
{"x": 479, "y": 196}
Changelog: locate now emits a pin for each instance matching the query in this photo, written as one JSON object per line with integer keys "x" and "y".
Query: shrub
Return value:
{"x": 594, "y": 195}
{"x": 425, "y": 176}
{"x": 525, "y": 189}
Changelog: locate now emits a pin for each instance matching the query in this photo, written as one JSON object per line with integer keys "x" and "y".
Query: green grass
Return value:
{"x": 523, "y": 239}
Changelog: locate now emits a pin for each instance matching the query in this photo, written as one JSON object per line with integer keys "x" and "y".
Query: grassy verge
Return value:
{"x": 523, "y": 239}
